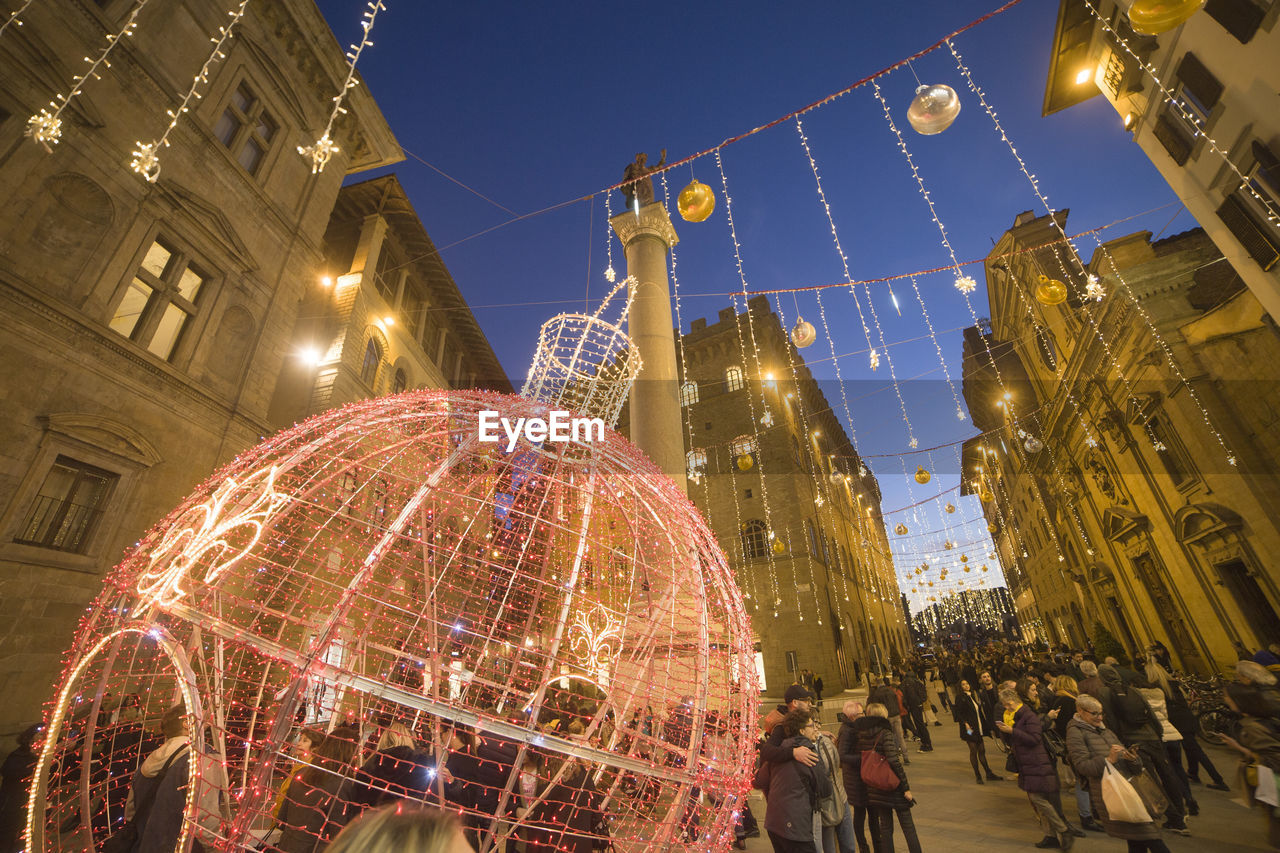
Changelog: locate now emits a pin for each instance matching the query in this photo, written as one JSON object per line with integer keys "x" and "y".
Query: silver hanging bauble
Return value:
{"x": 933, "y": 109}
{"x": 1033, "y": 444}
{"x": 803, "y": 334}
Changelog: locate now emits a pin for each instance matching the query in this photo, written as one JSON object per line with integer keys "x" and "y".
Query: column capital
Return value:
{"x": 651, "y": 221}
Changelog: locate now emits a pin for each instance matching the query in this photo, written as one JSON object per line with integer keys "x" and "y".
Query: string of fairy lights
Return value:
{"x": 933, "y": 108}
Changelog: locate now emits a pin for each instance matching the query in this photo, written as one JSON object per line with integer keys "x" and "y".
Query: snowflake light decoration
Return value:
{"x": 966, "y": 284}
{"x": 1093, "y": 288}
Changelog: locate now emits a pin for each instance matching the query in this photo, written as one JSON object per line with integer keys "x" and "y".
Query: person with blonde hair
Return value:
{"x": 877, "y": 735}
{"x": 1184, "y": 720}
{"x": 400, "y": 828}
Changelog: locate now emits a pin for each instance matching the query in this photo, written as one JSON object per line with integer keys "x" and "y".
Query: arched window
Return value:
{"x": 755, "y": 539}
{"x": 372, "y": 358}
{"x": 743, "y": 445}
{"x": 400, "y": 382}
{"x": 733, "y": 380}
{"x": 696, "y": 461}
{"x": 689, "y": 393}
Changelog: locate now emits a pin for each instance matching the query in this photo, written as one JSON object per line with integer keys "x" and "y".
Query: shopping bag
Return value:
{"x": 1152, "y": 793}
{"x": 1121, "y": 799}
{"x": 1266, "y": 792}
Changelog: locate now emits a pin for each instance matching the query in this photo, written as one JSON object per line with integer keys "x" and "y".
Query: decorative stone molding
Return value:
{"x": 651, "y": 221}
{"x": 106, "y": 434}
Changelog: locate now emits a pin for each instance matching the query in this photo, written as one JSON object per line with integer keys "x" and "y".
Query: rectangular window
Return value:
{"x": 1241, "y": 18}
{"x": 160, "y": 300}
{"x": 1255, "y": 224}
{"x": 68, "y": 506}
{"x": 246, "y": 129}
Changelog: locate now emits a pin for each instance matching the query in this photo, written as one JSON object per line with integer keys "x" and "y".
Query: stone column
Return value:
{"x": 656, "y": 426}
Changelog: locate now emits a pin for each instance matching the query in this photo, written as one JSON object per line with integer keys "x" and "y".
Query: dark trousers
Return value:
{"x": 787, "y": 845}
{"x": 917, "y": 722}
{"x": 1156, "y": 759}
{"x": 882, "y": 820}
{"x": 1196, "y": 757}
{"x": 1155, "y": 845}
{"x": 860, "y": 826}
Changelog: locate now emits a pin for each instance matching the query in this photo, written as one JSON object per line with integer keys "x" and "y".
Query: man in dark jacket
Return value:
{"x": 884, "y": 694}
{"x": 794, "y": 790}
{"x": 1131, "y": 718}
{"x": 914, "y": 695}
{"x": 773, "y": 749}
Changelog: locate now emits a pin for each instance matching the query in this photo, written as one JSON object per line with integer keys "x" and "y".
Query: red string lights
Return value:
{"x": 534, "y": 638}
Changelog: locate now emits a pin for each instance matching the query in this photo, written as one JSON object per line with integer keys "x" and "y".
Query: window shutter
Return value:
{"x": 1241, "y": 18}
{"x": 1268, "y": 166}
{"x": 1197, "y": 79}
{"x": 1174, "y": 139}
{"x": 1261, "y": 246}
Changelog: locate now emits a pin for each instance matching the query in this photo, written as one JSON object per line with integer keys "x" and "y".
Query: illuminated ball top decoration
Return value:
{"x": 922, "y": 475}
{"x": 696, "y": 202}
{"x": 1050, "y": 291}
{"x": 933, "y": 109}
{"x": 424, "y": 565}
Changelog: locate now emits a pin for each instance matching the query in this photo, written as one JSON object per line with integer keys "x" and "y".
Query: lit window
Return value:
{"x": 372, "y": 358}
{"x": 743, "y": 445}
{"x": 688, "y": 393}
{"x": 733, "y": 380}
{"x": 755, "y": 539}
{"x": 67, "y": 507}
{"x": 159, "y": 300}
{"x": 696, "y": 461}
{"x": 246, "y": 129}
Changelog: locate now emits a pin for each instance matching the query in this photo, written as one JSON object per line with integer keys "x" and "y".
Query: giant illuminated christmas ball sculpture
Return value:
{"x": 386, "y": 565}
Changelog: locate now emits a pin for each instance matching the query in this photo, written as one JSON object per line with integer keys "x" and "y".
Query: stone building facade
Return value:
{"x": 1221, "y": 68}
{"x": 790, "y": 501}
{"x": 149, "y": 332}
{"x": 1152, "y": 506}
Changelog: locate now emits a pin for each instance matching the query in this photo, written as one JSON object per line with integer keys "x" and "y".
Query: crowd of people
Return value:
{"x": 1060, "y": 721}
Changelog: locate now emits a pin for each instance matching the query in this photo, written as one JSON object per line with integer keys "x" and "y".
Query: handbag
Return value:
{"x": 1121, "y": 799}
{"x": 1153, "y": 796}
{"x": 876, "y": 771}
{"x": 124, "y": 839}
{"x": 1011, "y": 762}
{"x": 762, "y": 777}
{"x": 600, "y": 837}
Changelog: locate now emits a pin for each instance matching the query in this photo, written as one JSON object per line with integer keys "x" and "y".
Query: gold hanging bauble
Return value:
{"x": 900, "y": 529}
{"x": 779, "y": 547}
{"x": 964, "y": 558}
{"x": 923, "y": 476}
{"x": 985, "y": 496}
{"x": 991, "y": 527}
{"x": 1050, "y": 291}
{"x": 950, "y": 508}
{"x": 745, "y": 462}
{"x": 930, "y": 583}
{"x": 984, "y": 568}
{"x": 968, "y": 568}
{"x": 1153, "y": 17}
{"x": 803, "y": 334}
{"x": 696, "y": 202}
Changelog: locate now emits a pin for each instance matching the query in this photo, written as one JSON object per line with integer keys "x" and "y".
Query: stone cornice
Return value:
{"x": 651, "y": 221}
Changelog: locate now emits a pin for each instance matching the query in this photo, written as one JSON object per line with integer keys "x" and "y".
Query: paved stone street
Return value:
{"x": 955, "y": 814}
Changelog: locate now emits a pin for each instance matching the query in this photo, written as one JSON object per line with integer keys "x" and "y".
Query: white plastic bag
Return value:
{"x": 1266, "y": 792}
{"x": 1122, "y": 801}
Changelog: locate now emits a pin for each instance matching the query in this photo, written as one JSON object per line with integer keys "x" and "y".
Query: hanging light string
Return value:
{"x": 1273, "y": 215}
{"x": 874, "y": 355}
{"x": 1095, "y": 292}
{"x": 826, "y": 493}
{"x": 873, "y": 352}
{"x": 320, "y": 151}
{"x": 146, "y": 156}
{"x": 749, "y": 360}
{"x": 942, "y": 360}
{"x": 1168, "y": 353}
{"x": 45, "y": 127}
{"x": 749, "y": 590}
{"x": 14, "y": 16}
{"x": 963, "y": 284}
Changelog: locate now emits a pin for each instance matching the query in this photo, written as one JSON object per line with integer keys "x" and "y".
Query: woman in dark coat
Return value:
{"x": 310, "y": 793}
{"x": 1036, "y": 772}
{"x": 794, "y": 789}
{"x": 1091, "y": 745}
{"x": 877, "y": 735}
{"x": 975, "y": 724}
{"x": 851, "y": 765}
{"x": 397, "y": 771}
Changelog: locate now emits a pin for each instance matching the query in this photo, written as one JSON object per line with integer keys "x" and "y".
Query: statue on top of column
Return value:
{"x": 637, "y": 186}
